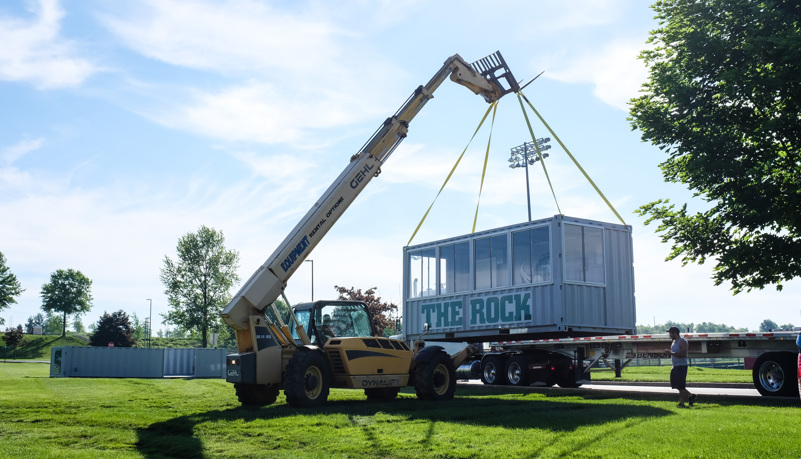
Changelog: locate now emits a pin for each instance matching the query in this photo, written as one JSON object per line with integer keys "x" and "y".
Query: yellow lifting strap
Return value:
{"x": 520, "y": 94}
{"x": 537, "y": 148}
{"x": 484, "y": 171}
{"x": 494, "y": 104}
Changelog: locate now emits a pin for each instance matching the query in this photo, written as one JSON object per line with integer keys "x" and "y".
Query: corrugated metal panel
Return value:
{"x": 107, "y": 362}
{"x": 118, "y": 362}
{"x": 179, "y": 362}
{"x": 210, "y": 363}
{"x": 565, "y": 302}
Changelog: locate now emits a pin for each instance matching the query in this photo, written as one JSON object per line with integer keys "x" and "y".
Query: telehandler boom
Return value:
{"x": 305, "y": 361}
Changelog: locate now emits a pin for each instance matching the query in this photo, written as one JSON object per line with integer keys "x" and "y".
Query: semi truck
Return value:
{"x": 545, "y": 301}
{"x": 315, "y": 346}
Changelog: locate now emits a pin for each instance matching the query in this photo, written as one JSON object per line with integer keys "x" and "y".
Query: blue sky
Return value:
{"x": 128, "y": 124}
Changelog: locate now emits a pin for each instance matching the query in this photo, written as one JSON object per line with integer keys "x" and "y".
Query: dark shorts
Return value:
{"x": 678, "y": 377}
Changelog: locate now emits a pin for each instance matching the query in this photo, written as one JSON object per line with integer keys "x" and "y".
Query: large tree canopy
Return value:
{"x": 68, "y": 292}
{"x": 379, "y": 310}
{"x": 199, "y": 281}
{"x": 723, "y": 101}
{"x": 9, "y": 286}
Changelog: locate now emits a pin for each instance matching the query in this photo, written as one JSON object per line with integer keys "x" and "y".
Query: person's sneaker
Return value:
{"x": 681, "y": 405}
{"x": 692, "y": 399}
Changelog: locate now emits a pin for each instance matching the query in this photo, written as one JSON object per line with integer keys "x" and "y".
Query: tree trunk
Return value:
{"x": 64, "y": 326}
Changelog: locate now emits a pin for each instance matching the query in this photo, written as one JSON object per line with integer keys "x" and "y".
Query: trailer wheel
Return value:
{"x": 517, "y": 371}
{"x": 773, "y": 374}
{"x": 436, "y": 378}
{"x": 306, "y": 382}
{"x": 493, "y": 370}
{"x": 382, "y": 393}
{"x": 255, "y": 395}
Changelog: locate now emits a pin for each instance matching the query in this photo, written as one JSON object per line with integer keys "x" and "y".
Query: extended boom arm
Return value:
{"x": 266, "y": 284}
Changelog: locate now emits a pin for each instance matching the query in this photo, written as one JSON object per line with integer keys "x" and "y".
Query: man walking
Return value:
{"x": 678, "y": 374}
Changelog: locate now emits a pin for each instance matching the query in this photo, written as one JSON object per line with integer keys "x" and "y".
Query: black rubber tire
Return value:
{"x": 382, "y": 393}
{"x": 307, "y": 383}
{"x": 517, "y": 371}
{"x": 774, "y": 374}
{"x": 435, "y": 379}
{"x": 493, "y": 370}
{"x": 255, "y": 395}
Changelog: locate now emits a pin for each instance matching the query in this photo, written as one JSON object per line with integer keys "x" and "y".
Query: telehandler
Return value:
{"x": 324, "y": 344}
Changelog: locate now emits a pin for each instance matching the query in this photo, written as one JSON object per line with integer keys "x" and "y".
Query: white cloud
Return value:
{"x": 32, "y": 51}
{"x": 614, "y": 71}
{"x": 231, "y": 36}
{"x": 263, "y": 112}
{"x": 20, "y": 149}
{"x": 293, "y": 72}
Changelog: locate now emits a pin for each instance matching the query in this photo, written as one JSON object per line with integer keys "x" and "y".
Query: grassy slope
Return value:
{"x": 44, "y": 417}
{"x": 38, "y": 347}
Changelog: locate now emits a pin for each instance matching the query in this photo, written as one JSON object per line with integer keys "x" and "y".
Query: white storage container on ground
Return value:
{"x": 555, "y": 277}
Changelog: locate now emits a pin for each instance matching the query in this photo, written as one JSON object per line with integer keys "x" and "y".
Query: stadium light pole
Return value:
{"x": 523, "y": 155}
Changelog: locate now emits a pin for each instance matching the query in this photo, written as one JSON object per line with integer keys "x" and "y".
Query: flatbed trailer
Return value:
{"x": 772, "y": 357}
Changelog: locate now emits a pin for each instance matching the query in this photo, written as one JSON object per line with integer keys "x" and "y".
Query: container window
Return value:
{"x": 422, "y": 273}
{"x": 492, "y": 265}
{"x": 584, "y": 254}
{"x": 531, "y": 256}
{"x": 454, "y": 265}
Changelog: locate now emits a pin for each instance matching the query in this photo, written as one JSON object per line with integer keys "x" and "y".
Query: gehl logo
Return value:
{"x": 361, "y": 175}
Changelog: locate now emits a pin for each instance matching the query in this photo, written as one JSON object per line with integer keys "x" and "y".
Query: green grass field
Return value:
{"x": 73, "y": 417}
{"x": 662, "y": 374}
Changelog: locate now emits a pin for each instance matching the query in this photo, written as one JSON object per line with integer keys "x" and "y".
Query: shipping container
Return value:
{"x": 132, "y": 362}
{"x": 549, "y": 278}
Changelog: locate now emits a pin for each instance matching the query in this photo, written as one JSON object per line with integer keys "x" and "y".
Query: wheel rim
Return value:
{"x": 489, "y": 372}
{"x": 514, "y": 374}
{"x": 771, "y": 376}
{"x": 313, "y": 382}
{"x": 442, "y": 379}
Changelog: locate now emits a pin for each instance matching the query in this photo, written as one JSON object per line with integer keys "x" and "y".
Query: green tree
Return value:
{"x": 77, "y": 324}
{"x": 198, "y": 283}
{"x": 113, "y": 328}
{"x": 34, "y": 321}
{"x": 138, "y": 327}
{"x": 68, "y": 292}
{"x": 379, "y": 310}
{"x": 15, "y": 339}
{"x": 723, "y": 100}
{"x": 768, "y": 325}
{"x": 9, "y": 286}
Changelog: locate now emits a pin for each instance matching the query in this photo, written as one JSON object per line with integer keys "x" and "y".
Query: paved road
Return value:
{"x": 736, "y": 390}
{"x": 741, "y": 390}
